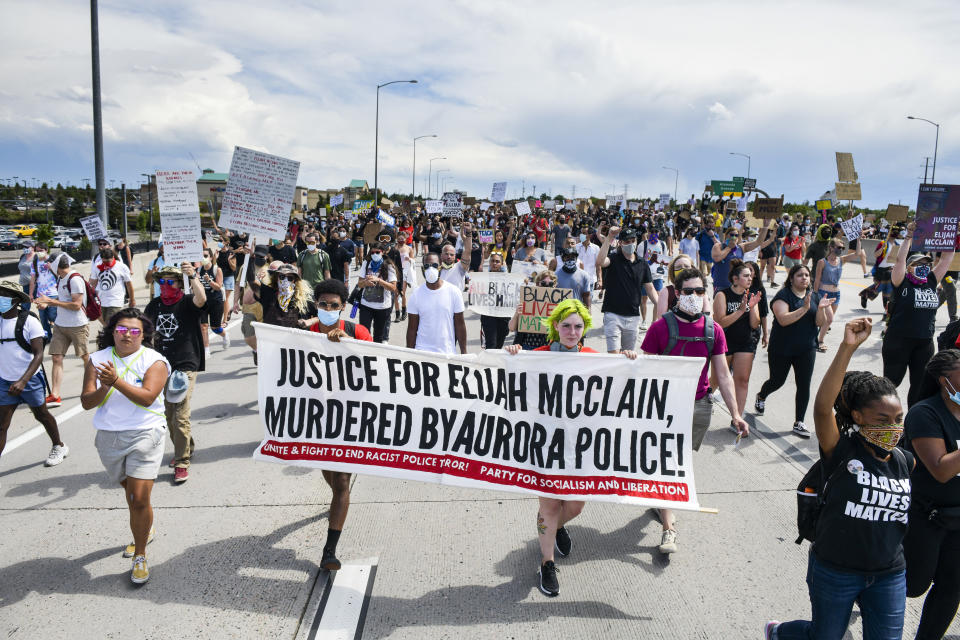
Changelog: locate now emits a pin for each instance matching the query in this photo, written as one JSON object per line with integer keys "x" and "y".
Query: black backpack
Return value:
{"x": 812, "y": 493}
{"x": 18, "y": 331}
{"x": 949, "y": 336}
{"x": 673, "y": 327}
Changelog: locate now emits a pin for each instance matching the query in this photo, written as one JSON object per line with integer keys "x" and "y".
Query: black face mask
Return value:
{"x": 686, "y": 316}
{"x": 259, "y": 261}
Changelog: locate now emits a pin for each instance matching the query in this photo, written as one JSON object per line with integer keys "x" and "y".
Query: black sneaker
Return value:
{"x": 758, "y": 406}
{"x": 562, "y": 544}
{"x": 801, "y": 430}
{"x": 548, "y": 579}
{"x": 397, "y": 317}
{"x": 329, "y": 561}
{"x": 774, "y": 285}
{"x": 863, "y": 301}
{"x": 403, "y": 316}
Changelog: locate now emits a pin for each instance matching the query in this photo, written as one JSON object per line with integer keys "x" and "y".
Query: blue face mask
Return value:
{"x": 921, "y": 271}
{"x": 328, "y": 318}
{"x": 5, "y": 304}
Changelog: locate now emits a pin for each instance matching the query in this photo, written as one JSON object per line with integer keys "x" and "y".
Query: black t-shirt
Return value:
{"x": 177, "y": 335}
{"x": 213, "y": 295}
{"x": 739, "y": 333}
{"x": 816, "y": 251}
{"x": 913, "y": 309}
{"x": 476, "y": 256}
{"x": 284, "y": 253}
{"x": 434, "y": 239}
{"x": 223, "y": 261}
{"x": 801, "y": 335}
{"x": 338, "y": 257}
{"x": 273, "y": 314}
{"x": 623, "y": 281}
{"x": 864, "y": 515}
{"x": 931, "y": 418}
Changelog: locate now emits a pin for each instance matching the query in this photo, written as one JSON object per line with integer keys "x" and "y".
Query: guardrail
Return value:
{"x": 12, "y": 268}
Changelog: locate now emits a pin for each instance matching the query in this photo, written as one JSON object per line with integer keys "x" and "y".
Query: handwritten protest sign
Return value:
{"x": 853, "y": 227}
{"x": 897, "y": 212}
{"x": 486, "y": 236}
{"x": 633, "y": 205}
{"x": 767, "y": 208}
{"x": 434, "y": 206}
{"x": 608, "y": 429}
{"x": 259, "y": 193}
{"x": 485, "y": 205}
{"x": 938, "y": 209}
{"x": 538, "y": 303}
{"x": 179, "y": 216}
{"x": 523, "y": 208}
{"x": 664, "y": 200}
{"x": 386, "y": 219}
{"x": 824, "y": 205}
{"x": 336, "y": 200}
{"x": 845, "y": 171}
{"x": 494, "y": 294}
{"x": 848, "y": 190}
{"x": 93, "y": 227}
{"x": 452, "y": 205}
{"x": 499, "y": 192}
{"x": 526, "y": 269}
{"x": 549, "y": 205}
{"x": 362, "y": 206}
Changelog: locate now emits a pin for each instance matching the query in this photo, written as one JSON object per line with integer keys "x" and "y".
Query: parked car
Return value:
{"x": 70, "y": 244}
{"x": 26, "y": 242}
{"x": 9, "y": 244}
{"x": 24, "y": 230}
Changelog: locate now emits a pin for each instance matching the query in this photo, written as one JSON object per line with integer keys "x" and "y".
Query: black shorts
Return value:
{"x": 742, "y": 346}
{"x": 883, "y": 274}
{"x": 769, "y": 251}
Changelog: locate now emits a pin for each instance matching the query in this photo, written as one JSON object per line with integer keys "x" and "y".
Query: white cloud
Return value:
{"x": 719, "y": 112}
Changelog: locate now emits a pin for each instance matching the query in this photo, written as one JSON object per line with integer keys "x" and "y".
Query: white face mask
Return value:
{"x": 311, "y": 247}
{"x": 431, "y": 274}
{"x": 692, "y": 304}
{"x": 794, "y": 233}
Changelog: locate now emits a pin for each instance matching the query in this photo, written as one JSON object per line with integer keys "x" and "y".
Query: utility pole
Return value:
{"x": 625, "y": 185}
{"x": 573, "y": 191}
{"x": 97, "y": 115}
{"x": 523, "y": 185}
{"x": 123, "y": 192}
{"x": 926, "y": 165}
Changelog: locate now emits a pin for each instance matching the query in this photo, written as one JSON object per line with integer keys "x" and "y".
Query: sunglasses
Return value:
{"x": 289, "y": 277}
{"x": 689, "y": 291}
{"x": 330, "y": 306}
{"x": 133, "y": 331}
{"x": 547, "y": 283}
{"x": 167, "y": 281}
{"x": 435, "y": 265}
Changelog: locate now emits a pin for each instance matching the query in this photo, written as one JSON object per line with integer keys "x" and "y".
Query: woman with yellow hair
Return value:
{"x": 567, "y": 324}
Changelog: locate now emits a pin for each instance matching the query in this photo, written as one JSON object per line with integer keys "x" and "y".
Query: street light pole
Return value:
{"x": 676, "y": 181}
{"x": 149, "y": 200}
{"x": 439, "y": 171}
{"x": 97, "y": 115}
{"x": 376, "y": 140}
{"x": 734, "y": 153}
{"x": 936, "y": 142}
{"x": 430, "y": 175}
{"x": 413, "y": 181}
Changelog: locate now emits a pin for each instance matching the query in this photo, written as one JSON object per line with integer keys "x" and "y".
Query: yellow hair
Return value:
{"x": 560, "y": 313}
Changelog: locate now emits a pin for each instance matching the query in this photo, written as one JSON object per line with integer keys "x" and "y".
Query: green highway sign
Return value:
{"x": 727, "y": 186}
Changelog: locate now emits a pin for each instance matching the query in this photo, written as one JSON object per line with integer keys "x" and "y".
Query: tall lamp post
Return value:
{"x": 734, "y": 153}
{"x": 430, "y": 174}
{"x": 149, "y": 200}
{"x": 413, "y": 181}
{"x": 439, "y": 171}
{"x": 936, "y": 142}
{"x": 376, "y": 139}
{"x": 676, "y": 180}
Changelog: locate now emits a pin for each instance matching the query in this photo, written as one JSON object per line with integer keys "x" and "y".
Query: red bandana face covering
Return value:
{"x": 104, "y": 265}
{"x": 170, "y": 294}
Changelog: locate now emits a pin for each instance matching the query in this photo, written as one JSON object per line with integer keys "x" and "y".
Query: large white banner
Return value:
{"x": 179, "y": 216}
{"x": 499, "y": 192}
{"x": 494, "y": 294}
{"x": 606, "y": 428}
{"x": 259, "y": 195}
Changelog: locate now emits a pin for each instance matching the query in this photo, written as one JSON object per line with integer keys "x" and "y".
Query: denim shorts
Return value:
{"x": 657, "y": 286}
{"x": 229, "y": 282}
{"x": 33, "y": 395}
{"x": 833, "y": 295}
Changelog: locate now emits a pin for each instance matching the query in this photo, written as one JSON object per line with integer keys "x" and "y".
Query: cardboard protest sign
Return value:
{"x": 434, "y": 206}
{"x": 494, "y": 293}
{"x": 522, "y": 207}
{"x": 259, "y": 194}
{"x": 179, "y": 216}
{"x": 499, "y": 192}
{"x": 538, "y": 303}
{"x": 824, "y": 205}
{"x": 897, "y": 212}
{"x": 633, "y": 205}
{"x": 336, "y": 200}
{"x": 93, "y": 227}
{"x": 853, "y": 227}
{"x": 386, "y": 219}
{"x": 486, "y": 236}
{"x": 768, "y": 208}
{"x": 730, "y": 207}
{"x": 371, "y": 230}
{"x": 845, "y": 172}
{"x": 526, "y": 269}
{"x": 550, "y": 205}
{"x": 452, "y": 205}
{"x": 609, "y": 429}
{"x": 848, "y": 190}
{"x": 938, "y": 209}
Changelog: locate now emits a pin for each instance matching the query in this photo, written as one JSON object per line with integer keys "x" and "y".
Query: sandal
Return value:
{"x": 821, "y": 347}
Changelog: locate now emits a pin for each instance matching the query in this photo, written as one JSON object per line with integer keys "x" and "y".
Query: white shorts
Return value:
{"x": 620, "y": 331}
{"x": 136, "y": 453}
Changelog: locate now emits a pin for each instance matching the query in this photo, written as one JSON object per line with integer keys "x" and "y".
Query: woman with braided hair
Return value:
{"x": 857, "y": 554}
{"x": 932, "y": 545}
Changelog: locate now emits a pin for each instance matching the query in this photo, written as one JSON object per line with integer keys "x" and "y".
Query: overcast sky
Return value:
{"x": 551, "y": 94}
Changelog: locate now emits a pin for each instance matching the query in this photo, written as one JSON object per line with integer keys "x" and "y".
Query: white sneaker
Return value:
{"x": 801, "y": 430}
{"x": 206, "y": 351}
{"x": 717, "y": 397}
{"x": 643, "y": 326}
{"x": 668, "y": 543}
{"x": 57, "y": 454}
{"x": 225, "y": 339}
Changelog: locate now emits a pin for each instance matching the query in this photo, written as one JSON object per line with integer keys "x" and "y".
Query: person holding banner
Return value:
{"x": 124, "y": 381}
{"x": 627, "y": 276}
{"x": 529, "y": 341}
{"x": 567, "y": 323}
{"x": 908, "y": 338}
{"x": 435, "y": 322}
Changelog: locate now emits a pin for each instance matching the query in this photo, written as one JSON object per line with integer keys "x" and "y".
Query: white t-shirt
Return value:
{"x": 435, "y": 308}
{"x": 67, "y": 286}
{"x": 371, "y": 297}
{"x": 13, "y": 359}
{"x": 111, "y": 284}
{"x": 455, "y": 275}
{"x": 588, "y": 256}
{"x": 690, "y": 246}
{"x": 119, "y": 413}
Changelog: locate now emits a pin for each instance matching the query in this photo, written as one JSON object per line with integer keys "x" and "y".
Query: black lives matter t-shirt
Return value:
{"x": 931, "y": 418}
{"x": 623, "y": 282}
{"x": 913, "y": 309}
{"x": 177, "y": 333}
{"x": 864, "y": 515}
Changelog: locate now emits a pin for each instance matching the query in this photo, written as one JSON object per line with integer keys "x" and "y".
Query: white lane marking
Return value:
{"x": 341, "y": 613}
{"x": 73, "y": 411}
